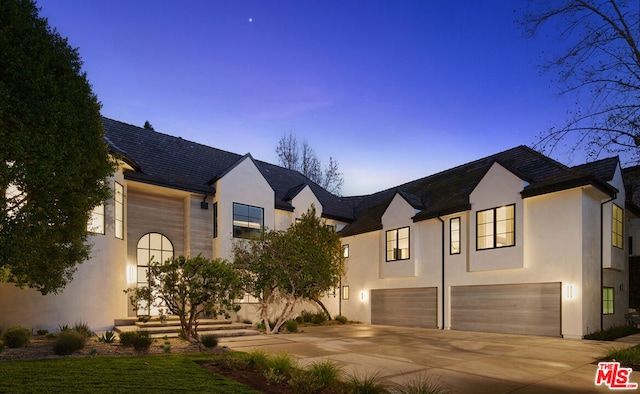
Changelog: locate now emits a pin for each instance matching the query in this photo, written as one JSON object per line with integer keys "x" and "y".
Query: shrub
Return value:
{"x": 420, "y": 384}
{"x": 319, "y": 318}
{"x": 367, "y": 384}
{"x": 42, "y": 332}
{"x": 257, "y": 359}
{"x": 63, "y": 328}
{"x": 51, "y": 335}
{"x": 281, "y": 364}
{"x": 82, "y": 328}
{"x": 68, "y": 342}
{"x": 291, "y": 325}
{"x": 627, "y": 356}
{"x": 342, "y": 319}
{"x": 108, "y": 337}
{"x": 16, "y": 336}
{"x": 140, "y": 340}
{"x": 209, "y": 340}
{"x": 318, "y": 377}
{"x": 613, "y": 333}
{"x": 306, "y": 316}
{"x": 1, "y": 346}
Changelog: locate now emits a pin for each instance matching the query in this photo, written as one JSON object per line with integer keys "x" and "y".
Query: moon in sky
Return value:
{"x": 250, "y": 19}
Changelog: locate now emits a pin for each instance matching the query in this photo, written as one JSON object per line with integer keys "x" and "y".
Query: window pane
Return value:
{"x": 119, "y": 211}
{"x": 143, "y": 256}
{"x": 96, "y": 220}
{"x": 455, "y": 236}
{"x": 247, "y": 221}
{"x": 155, "y": 241}
{"x": 617, "y": 223}
{"x": 607, "y": 300}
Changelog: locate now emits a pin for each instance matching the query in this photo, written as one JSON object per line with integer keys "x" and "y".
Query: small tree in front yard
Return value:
{"x": 283, "y": 267}
{"x": 190, "y": 288}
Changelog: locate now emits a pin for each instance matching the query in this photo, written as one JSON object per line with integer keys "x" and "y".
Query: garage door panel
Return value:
{"x": 533, "y": 309}
{"x": 414, "y": 307}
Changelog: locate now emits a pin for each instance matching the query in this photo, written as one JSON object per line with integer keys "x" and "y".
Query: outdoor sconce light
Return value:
{"x": 130, "y": 274}
{"x": 568, "y": 292}
{"x": 204, "y": 204}
{"x": 363, "y": 295}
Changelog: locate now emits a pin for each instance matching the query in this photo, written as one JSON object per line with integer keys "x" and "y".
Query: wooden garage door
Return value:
{"x": 532, "y": 309}
{"x": 414, "y": 307}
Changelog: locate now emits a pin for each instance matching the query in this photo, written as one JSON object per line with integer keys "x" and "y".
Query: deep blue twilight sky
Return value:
{"x": 394, "y": 90}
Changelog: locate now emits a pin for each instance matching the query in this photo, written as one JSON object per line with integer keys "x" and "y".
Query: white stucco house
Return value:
{"x": 512, "y": 243}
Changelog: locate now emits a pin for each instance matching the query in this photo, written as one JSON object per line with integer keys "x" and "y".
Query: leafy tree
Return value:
{"x": 189, "y": 288}
{"x": 302, "y": 158}
{"x": 148, "y": 125}
{"x": 600, "y": 63}
{"x": 282, "y": 268}
{"x": 53, "y": 159}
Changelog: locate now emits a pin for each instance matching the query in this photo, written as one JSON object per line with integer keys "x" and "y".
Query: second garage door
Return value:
{"x": 531, "y": 308}
{"x": 413, "y": 307}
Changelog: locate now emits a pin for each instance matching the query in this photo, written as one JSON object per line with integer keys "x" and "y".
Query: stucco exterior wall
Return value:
{"x": 499, "y": 187}
{"x": 94, "y": 295}
{"x": 243, "y": 184}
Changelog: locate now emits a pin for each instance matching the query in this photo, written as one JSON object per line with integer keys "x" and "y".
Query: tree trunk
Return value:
{"x": 321, "y": 305}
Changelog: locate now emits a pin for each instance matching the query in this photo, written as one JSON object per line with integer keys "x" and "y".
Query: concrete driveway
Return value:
{"x": 465, "y": 362}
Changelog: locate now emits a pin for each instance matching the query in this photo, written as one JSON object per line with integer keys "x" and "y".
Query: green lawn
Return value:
{"x": 114, "y": 374}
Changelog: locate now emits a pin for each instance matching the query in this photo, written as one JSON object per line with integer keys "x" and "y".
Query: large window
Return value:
{"x": 607, "y": 301}
{"x": 454, "y": 247}
{"x": 496, "y": 228}
{"x": 617, "y": 227}
{"x": 247, "y": 221}
{"x": 151, "y": 247}
{"x": 119, "y": 211}
{"x": 398, "y": 244}
{"x": 95, "y": 224}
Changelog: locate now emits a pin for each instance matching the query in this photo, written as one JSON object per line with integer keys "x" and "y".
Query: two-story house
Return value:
{"x": 513, "y": 243}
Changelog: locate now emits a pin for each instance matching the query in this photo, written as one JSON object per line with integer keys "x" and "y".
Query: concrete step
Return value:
{"x": 170, "y": 328}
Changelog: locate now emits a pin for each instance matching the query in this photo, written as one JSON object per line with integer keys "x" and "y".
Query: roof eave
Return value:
{"x": 570, "y": 184}
{"x": 209, "y": 190}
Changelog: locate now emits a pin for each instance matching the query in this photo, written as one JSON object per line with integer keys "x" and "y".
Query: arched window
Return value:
{"x": 151, "y": 247}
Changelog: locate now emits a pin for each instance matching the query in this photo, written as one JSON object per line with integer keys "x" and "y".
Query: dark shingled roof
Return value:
{"x": 169, "y": 161}
{"x": 448, "y": 191}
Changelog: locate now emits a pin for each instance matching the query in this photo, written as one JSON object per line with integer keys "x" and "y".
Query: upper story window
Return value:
{"x": 248, "y": 221}
{"x": 617, "y": 227}
{"x": 119, "y": 211}
{"x": 215, "y": 220}
{"x": 454, "y": 247}
{"x": 495, "y": 228}
{"x": 95, "y": 224}
{"x": 398, "y": 244}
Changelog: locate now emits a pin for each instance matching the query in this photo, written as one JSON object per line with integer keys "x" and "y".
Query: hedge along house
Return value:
{"x": 514, "y": 242}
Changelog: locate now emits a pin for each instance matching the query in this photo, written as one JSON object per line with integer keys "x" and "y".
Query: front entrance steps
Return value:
{"x": 170, "y": 328}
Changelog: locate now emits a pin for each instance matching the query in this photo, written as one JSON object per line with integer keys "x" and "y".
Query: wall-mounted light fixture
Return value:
{"x": 204, "y": 204}
{"x": 568, "y": 292}
{"x": 363, "y": 295}
{"x": 131, "y": 270}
